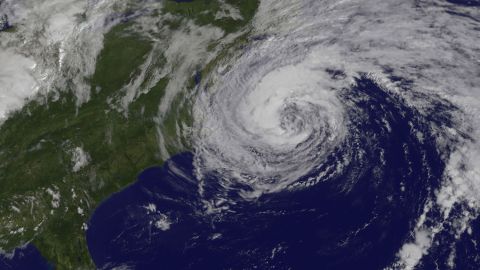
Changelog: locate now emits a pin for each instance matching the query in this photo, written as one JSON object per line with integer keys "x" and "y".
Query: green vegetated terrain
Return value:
{"x": 41, "y": 198}
{"x": 204, "y": 12}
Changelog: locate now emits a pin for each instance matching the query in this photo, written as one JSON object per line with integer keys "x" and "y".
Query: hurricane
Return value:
{"x": 268, "y": 125}
{"x": 336, "y": 135}
{"x": 331, "y": 113}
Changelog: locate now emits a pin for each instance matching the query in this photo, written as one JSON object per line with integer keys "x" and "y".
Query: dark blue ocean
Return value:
{"x": 360, "y": 217}
{"x": 25, "y": 258}
{"x": 357, "y": 219}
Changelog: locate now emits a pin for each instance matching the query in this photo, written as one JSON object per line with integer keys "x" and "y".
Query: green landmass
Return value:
{"x": 37, "y": 142}
{"x": 204, "y": 12}
{"x": 11, "y": 29}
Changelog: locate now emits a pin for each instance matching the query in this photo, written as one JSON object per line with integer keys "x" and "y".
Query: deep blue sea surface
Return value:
{"x": 355, "y": 215}
{"x": 25, "y": 258}
{"x": 360, "y": 216}
{"x": 472, "y": 3}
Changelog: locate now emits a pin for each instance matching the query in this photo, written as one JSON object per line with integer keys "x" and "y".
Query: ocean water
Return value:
{"x": 24, "y": 258}
{"x": 337, "y": 216}
{"x": 343, "y": 135}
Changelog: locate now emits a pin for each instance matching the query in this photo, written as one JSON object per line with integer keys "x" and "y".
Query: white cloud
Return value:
{"x": 17, "y": 80}
{"x": 80, "y": 159}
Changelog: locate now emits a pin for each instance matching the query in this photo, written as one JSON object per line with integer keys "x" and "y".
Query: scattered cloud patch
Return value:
{"x": 80, "y": 159}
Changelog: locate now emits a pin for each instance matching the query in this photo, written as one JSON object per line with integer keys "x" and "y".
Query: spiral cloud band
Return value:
{"x": 342, "y": 135}
{"x": 267, "y": 126}
{"x": 332, "y": 91}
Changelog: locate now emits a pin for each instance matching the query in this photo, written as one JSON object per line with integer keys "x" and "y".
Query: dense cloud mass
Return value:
{"x": 339, "y": 133}
{"x": 293, "y": 99}
{"x": 54, "y": 47}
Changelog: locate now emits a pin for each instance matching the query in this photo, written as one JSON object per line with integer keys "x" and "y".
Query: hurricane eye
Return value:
{"x": 308, "y": 134}
{"x": 292, "y": 119}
